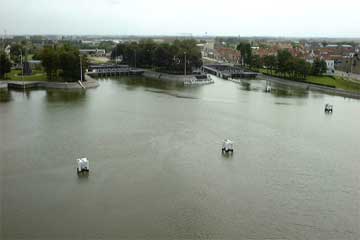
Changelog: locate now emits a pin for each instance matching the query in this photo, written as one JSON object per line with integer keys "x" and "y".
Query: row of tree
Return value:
{"x": 63, "y": 62}
{"x": 283, "y": 63}
{"x": 289, "y": 66}
{"x": 164, "y": 57}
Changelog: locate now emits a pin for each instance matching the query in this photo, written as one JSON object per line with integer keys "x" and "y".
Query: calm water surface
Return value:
{"x": 156, "y": 167}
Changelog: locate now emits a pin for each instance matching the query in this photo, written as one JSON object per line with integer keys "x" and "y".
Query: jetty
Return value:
{"x": 89, "y": 83}
{"x": 226, "y": 71}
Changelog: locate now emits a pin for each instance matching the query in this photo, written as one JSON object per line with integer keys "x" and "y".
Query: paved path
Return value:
{"x": 349, "y": 76}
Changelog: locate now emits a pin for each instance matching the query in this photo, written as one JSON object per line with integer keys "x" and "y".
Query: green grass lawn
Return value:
{"x": 326, "y": 80}
{"x": 337, "y": 82}
{"x": 15, "y": 75}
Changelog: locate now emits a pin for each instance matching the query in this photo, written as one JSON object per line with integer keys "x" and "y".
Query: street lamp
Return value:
{"x": 185, "y": 63}
{"x": 22, "y": 67}
{"x": 81, "y": 70}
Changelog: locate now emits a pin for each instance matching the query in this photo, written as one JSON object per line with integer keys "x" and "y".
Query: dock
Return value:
{"x": 89, "y": 83}
{"x": 228, "y": 71}
{"x": 103, "y": 70}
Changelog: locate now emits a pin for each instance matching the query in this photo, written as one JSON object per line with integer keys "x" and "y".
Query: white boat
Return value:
{"x": 83, "y": 165}
{"x": 227, "y": 146}
{"x": 328, "y": 108}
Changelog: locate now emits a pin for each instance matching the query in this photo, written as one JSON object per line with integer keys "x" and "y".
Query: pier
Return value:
{"x": 89, "y": 83}
{"x": 112, "y": 70}
{"x": 228, "y": 71}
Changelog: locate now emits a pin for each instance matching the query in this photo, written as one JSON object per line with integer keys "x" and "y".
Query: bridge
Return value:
{"x": 112, "y": 70}
{"x": 228, "y": 71}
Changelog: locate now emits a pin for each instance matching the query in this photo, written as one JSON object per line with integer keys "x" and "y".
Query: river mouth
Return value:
{"x": 157, "y": 170}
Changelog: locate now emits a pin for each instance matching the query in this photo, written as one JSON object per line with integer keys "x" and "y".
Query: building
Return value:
{"x": 227, "y": 55}
{"x": 330, "y": 66}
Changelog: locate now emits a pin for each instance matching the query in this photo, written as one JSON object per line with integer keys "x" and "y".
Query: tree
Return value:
{"x": 165, "y": 57}
{"x": 319, "y": 67}
{"x": 63, "y": 61}
{"x": 162, "y": 56}
{"x": 69, "y": 62}
{"x": 323, "y": 66}
{"x": 245, "y": 52}
{"x": 287, "y": 65}
{"x": 284, "y": 58}
{"x": 270, "y": 63}
{"x": 5, "y": 65}
{"x": 50, "y": 61}
{"x": 256, "y": 61}
{"x": 107, "y": 45}
{"x": 15, "y": 52}
{"x": 300, "y": 68}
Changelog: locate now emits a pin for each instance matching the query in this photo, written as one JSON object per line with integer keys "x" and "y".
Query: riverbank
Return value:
{"x": 89, "y": 83}
{"x": 310, "y": 86}
{"x": 337, "y": 82}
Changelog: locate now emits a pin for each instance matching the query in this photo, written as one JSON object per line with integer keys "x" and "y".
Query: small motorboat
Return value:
{"x": 83, "y": 165}
{"x": 328, "y": 108}
{"x": 227, "y": 146}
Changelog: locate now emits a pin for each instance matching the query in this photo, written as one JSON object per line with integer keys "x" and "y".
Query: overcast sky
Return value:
{"x": 303, "y": 18}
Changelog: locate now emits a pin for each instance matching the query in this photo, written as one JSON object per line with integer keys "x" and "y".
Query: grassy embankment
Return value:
{"x": 329, "y": 81}
{"x": 15, "y": 75}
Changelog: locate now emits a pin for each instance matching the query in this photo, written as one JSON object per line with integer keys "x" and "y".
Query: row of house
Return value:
{"x": 337, "y": 56}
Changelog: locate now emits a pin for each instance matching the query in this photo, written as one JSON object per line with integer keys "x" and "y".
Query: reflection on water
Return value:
{"x": 72, "y": 95}
{"x": 133, "y": 83}
{"x": 177, "y": 95}
{"x": 282, "y": 103}
{"x": 83, "y": 177}
{"x": 245, "y": 85}
{"x": 5, "y": 95}
{"x": 227, "y": 156}
{"x": 281, "y": 91}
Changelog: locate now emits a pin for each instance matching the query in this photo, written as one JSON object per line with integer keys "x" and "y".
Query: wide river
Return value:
{"x": 157, "y": 171}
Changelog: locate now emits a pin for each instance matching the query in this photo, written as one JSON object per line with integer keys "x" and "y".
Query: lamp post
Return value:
{"x": 185, "y": 63}
{"x": 22, "y": 66}
{"x": 81, "y": 71}
{"x": 135, "y": 57}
